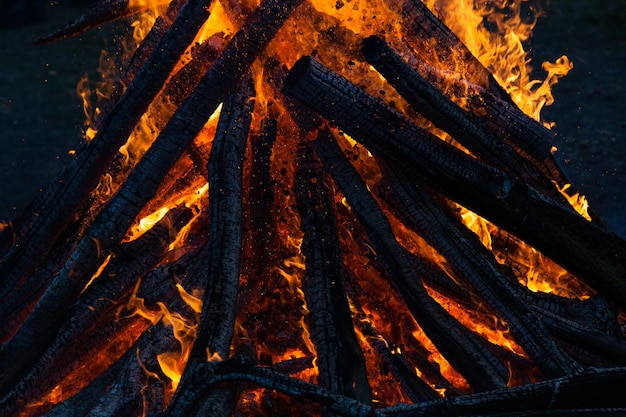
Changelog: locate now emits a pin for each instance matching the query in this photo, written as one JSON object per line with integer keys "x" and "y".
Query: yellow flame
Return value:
{"x": 172, "y": 363}
{"x": 494, "y": 32}
{"x": 577, "y": 201}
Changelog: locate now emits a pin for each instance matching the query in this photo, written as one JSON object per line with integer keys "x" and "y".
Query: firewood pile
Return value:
{"x": 293, "y": 239}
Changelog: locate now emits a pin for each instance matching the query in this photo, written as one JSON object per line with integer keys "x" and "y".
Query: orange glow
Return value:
{"x": 495, "y": 31}
{"x": 272, "y": 311}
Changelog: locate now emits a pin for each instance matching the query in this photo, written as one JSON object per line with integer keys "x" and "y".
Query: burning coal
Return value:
{"x": 306, "y": 207}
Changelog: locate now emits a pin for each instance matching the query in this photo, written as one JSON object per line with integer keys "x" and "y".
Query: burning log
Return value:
{"x": 474, "y": 263}
{"x": 94, "y": 312}
{"x": 97, "y": 15}
{"x": 339, "y": 357}
{"x": 448, "y": 116}
{"x": 261, "y": 198}
{"x": 594, "y": 255}
{"x": 593, "y": 392}
{"x": 415, "y": 387}
{"x": 221, "y": 277}
{"x": 461, "y": 347}
{"x": 141, "y": 185}
{"x": 527, "y": 136}
{"x": 423, "y": 27}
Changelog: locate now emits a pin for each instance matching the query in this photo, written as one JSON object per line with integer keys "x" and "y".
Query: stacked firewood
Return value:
{"x": 55, "y": 315}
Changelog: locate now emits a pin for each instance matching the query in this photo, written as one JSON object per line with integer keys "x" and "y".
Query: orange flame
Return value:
{"x": 172, "y": 363}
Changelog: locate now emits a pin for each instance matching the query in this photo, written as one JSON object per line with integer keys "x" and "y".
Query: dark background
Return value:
{"x": 41, "y": 116}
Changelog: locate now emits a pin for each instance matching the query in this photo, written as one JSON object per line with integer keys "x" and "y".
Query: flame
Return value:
{"x": 331, "y": 30}
{"x": 495, "y": 32}
{"x": 577, "y": 201}
{"x": 172, "y": 363}
{"x": 192, "y": 198}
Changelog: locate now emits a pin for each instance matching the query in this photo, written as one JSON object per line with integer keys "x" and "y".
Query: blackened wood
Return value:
{"x": 157, "y": 339}
{"x": 158, "y": 286}
{"x": 141, "y": 185}
{"x": 132, "y": 260}
{"x": 135, "y": 259}
{"x": 45, "y": 218}
{"x": 592, "y": 392}
{"x": 474, "y": 263}
{"x": 463, "y": 349}
{"x": 221, "y": 402}
{"x": 594, "y": 255}
{"x": 260, "y": 199}
{"x": 242, "y": 368}
{"x": 413, "y": 386}
{"x": 597, "y": 389}
{"x": 603, "y": 345}
{"x": 225, "y": 168}
{"x": 84, "y": 334}
{"x": 184, "y": 80}
{"x": 223, "y": 251}
{"x": 527, "y": 136}
{"x": 340, "y": 360}
{"x": 139, "y": 57}
{"x": 593, "y": 313}
{"x": 97, "y": 15}
{"x": 468, "y": 130}
{"x": 293, "y": 366}
{"x": 155, "y": 399}
{"x": 428, "y": 34}
{"x": 19, "y": 300}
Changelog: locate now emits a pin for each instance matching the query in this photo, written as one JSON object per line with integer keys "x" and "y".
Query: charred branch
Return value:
{"x": 97, "y": 15}
{"x": 468, "y": 130}
{"x": 476, "y": 265}
{"x": 141, "y": 185}
{"x": 185, "y": 80}
{"x": 413, "y": 386}
{"x": 527, "y": 136}
{"x": 592, "y": 391}
{"x": 427, "y": 33}
{"x": 261, "y": 198}
{"x": 581, "y": 247}
{"x": 44, "y": 219}
{"x": 223, "y": 251}
{"x": 134, "y": 259}
{"x": 339, "y": 358}
{"x": 463, "y": 349}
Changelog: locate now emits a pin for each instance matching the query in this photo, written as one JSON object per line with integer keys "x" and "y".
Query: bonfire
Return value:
{"x": 310, "y": 207}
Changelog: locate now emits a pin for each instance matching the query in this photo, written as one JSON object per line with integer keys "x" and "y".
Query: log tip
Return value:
{"x": 299, "y": 69}
{"x": 372, "y": 47}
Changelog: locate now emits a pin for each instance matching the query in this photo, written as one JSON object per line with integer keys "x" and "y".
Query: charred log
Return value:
{"x": 463, "y": 349}
{"x": 467, "y": 129}
{"x": 592, "y": 254}
{"x": 473, "y": 262}
{"x": 185, "y": 80}
{"x": 261, "y": 198}
{"x": 593, "y": 392}
{"x": 339, "y": 358}
{"x": 413, "y": 386}
{"x": 99, "y": 14}
{"x": 44, "y": 219}
{"x": 427, "y": 33}
{"x": 221, "y": 278}
{"x": 141, "y": 185}
{"x": 135, "y": 259}
{"x": 527, "y": 136}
